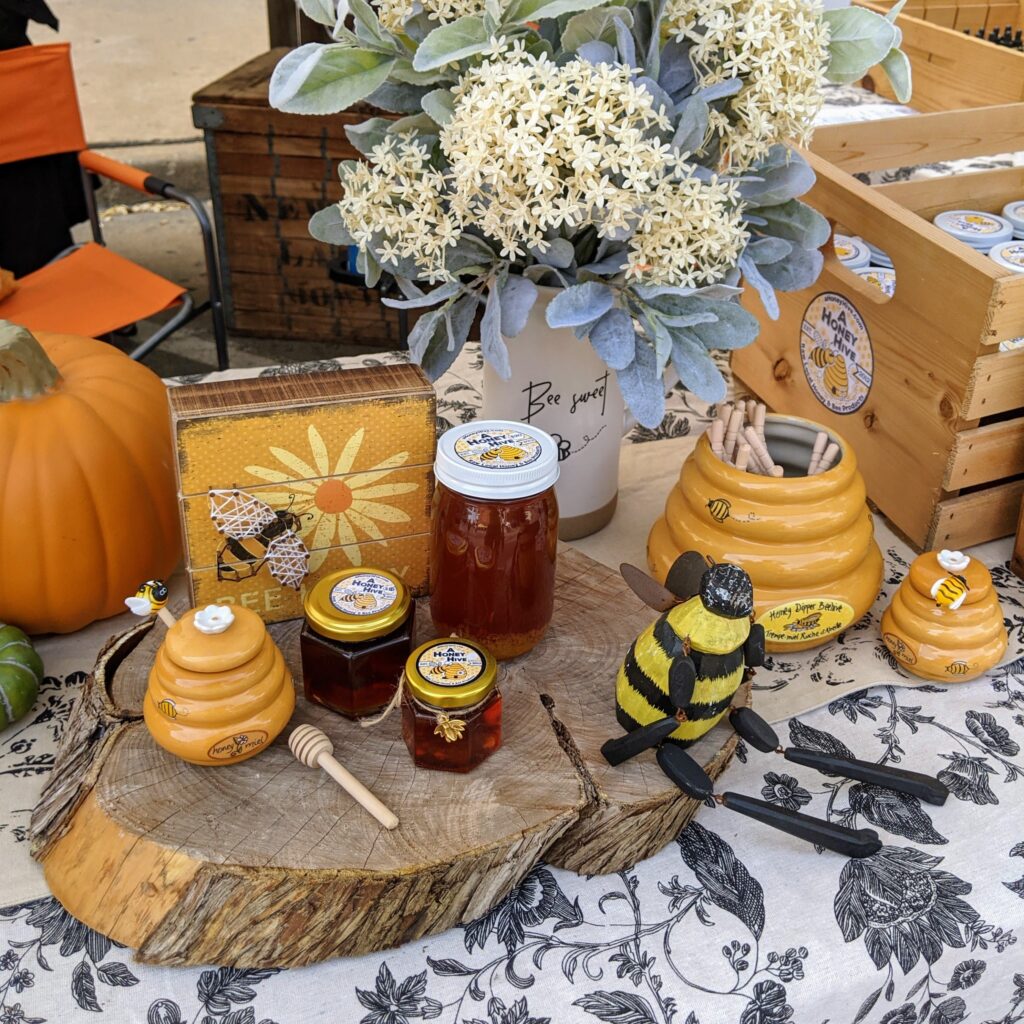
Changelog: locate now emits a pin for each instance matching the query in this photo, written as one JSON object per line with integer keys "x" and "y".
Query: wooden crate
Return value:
{"x": 269, "y": 172}
{"x": 341, "y": 461}
{"x": 966, "y": 15}
{"x": 933, "y": 408}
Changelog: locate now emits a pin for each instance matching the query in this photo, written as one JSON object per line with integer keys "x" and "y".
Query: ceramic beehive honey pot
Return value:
{"x": 219, "y": 690}
{"x": 945, "y": 622}
{"x": 798, "y": 524}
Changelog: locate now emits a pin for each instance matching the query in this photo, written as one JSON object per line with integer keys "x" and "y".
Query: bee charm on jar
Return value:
{"x": 451, "y": 705}
{"x": 944, "y": 622}
{"x": 494, "y": 535}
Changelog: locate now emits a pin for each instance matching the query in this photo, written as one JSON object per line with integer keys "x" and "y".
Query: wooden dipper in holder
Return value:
{"x": 314, "y": 749}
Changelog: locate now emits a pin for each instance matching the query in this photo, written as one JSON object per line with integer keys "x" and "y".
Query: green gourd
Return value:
{"x": 21, "y": 672}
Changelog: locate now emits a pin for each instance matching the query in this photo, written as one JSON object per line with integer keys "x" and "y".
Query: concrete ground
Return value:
{"x": 137, "y": 64}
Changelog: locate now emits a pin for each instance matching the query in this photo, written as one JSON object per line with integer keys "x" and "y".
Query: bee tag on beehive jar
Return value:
{"x": 284, "y": 480}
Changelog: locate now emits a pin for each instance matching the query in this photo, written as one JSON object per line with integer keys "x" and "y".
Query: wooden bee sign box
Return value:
{"x": 282, "y": 480}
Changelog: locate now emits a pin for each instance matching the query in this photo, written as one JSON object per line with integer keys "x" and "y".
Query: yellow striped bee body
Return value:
{"x": 802, "y": 625}
{"x": 958, "y": 668}
{"x": 719, "y": 509}
{"x": 822, "y": 357}
{"x": 709, "y": 641}
{"x": 836, "y": 378}
{"x": 506, "y": 452}
{"x": 950, "y": 591}
{"x": 153, "y": 591}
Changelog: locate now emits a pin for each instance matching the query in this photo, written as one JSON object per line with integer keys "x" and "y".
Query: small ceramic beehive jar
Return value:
{"x": 945, "y": 622}
{"x": 219, "y": 690}
{"x": 807, "y": 542}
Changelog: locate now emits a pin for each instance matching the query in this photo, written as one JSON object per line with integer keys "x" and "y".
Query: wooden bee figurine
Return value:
{"x": 690, "y": 662}
{"x": 679, "y": 678}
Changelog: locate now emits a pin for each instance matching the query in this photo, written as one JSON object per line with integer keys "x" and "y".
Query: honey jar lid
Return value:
{"x": 851, "y": 251}
{"x": 883, "y": 278}
{"x": 496, "y": 459}
{"x": 357, "y": 604}
{"x": 1009, "y": 255}
{"x": 450, "y": 673}
{"x": 1014, "y": 213}
{"x": 217, "y": 638}
{"x": 978, "y": 229}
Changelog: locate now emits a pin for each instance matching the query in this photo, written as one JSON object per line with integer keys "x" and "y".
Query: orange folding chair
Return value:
{"x": 89, "y": 289}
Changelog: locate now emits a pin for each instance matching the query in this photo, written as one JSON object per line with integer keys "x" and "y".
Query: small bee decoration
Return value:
{"x": 170, "y": 709}
{"x": 150, "y": 597}
{"x": 364, "y": 602}
{"x": 719, "y": 509}
{"x": 835, "y": 377}
{"x": 451, "y": 729}
{"x": 450, "y": 673}
{"x": 951, "y": 591}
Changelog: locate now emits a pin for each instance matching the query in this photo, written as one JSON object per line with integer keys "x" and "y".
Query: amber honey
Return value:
{"x": 356, "y": 639}
{"x": 494, "y": 536}
{"x": 451, "y": 705}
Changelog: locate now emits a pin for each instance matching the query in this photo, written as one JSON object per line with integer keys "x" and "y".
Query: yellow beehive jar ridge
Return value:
{"x": 219, "y": 690}
{"x": 945, "y": 622}
{"x": 806, "y": 541}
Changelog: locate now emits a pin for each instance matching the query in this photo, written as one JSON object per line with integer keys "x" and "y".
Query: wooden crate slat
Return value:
{"x": 976, "y": 518}
{"x": 926, "y": 138}
{"x": 996, "y": 385}
{"x": 992, "y": 452}
{"x": 981, "y": 190}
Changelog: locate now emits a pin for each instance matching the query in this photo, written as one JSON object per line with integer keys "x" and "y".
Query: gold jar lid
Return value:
{"x": 450, "y": 673}
{"x": 357, "y": 604}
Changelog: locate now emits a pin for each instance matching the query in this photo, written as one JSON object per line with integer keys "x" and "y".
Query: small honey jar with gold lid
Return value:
{"x": 356, "y": 639}
{"x": 451, "y": 705}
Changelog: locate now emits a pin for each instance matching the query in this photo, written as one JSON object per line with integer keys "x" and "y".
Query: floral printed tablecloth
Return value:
{"x": 731, "y": 924}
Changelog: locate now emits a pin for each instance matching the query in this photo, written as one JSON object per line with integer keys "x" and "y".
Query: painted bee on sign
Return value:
{"x": 835, "y": 377}
{"x": 950, "y": 592}
{"x": 506, "y": 452}
{"x": 257, "y": 535}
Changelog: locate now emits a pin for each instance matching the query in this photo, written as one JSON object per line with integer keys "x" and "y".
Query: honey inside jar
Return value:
{"x": 494, "y": 535}
{"x": 451, "y": 705}
{"x": 357, "y": 636}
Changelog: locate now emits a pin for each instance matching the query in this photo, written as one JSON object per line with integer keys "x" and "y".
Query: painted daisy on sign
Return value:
{"x": 336, "y": 500}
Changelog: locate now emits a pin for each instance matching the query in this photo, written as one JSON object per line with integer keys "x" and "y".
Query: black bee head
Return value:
{"x": 726, "y": 590}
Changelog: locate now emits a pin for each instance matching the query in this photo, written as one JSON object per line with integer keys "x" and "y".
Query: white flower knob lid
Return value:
{"x": 953, "y": 561}
{"x": 214, "y": 618}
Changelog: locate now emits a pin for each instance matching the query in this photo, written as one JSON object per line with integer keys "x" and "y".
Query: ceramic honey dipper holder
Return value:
{"x": 314, "y": 749}
{"x": 945, "y": 622}
{"x": 219, "y": 691}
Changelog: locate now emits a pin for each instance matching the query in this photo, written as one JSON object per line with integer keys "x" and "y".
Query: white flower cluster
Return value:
{"x": 690, "y": 234}
{"x": 395, "y": 206}
{"x": 393, "y": 14}
{"x": 534, "y": 148}
{"x": 779, "y": 48}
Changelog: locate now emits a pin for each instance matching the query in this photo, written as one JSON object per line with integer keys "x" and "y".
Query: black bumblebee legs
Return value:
{"x": 760, "y": 735}
{"x": 691, "y": 778}
{"x": 622, "y": 748}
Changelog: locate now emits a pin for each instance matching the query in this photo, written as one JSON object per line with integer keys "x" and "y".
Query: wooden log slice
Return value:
{"x": 270, "y": 863}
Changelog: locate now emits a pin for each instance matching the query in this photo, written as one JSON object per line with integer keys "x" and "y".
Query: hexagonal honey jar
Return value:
{"x": 945, "y": 622}
{"x": 219, "y": 691}
{"x": 807, "y": 542}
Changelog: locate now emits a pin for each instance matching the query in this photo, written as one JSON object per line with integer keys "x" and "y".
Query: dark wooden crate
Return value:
{"x": 269, "y": 172}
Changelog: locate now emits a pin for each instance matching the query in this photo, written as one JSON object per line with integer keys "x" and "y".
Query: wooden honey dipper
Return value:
{"x": 314, "y": 749}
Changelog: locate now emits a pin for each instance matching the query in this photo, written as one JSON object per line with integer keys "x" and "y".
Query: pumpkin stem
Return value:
{"x": 25, "y": 369}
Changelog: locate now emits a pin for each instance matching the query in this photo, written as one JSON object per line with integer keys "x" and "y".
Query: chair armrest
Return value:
{"x": 133, "y": 177}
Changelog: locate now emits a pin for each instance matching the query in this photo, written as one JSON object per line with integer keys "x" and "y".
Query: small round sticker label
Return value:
{"x": 835, "y": 349}
{"x": 796, "y": 622}
{"x": 502, "y": 448}
{"x": 450, "y": 664}
{"x": 974, "y": 223}
{"x": 366, "y": 593}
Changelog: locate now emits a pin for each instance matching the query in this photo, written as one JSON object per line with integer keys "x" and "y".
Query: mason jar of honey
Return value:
{"x": 357, "y": 636}
{"x": 451, "y": 705}
{"x": 495, "y": 534}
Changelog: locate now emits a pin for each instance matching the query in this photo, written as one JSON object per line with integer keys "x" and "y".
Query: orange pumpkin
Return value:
{"x": 87, "y": 486}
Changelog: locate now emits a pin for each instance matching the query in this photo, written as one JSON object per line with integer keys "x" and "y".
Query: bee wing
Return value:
{"x": 649, "y": 590}
{"x": 288, "y": 560}
{"x": 239, "y": 515}
{"x": 684, "y": 577}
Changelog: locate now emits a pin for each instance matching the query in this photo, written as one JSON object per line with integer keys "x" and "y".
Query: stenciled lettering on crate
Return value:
{"x": 283, "y": 479}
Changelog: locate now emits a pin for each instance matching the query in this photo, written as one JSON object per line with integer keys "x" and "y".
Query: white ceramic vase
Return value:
{"x": 561, "y": 385}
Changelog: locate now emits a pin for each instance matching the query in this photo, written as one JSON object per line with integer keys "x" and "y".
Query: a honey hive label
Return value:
{"x": 796, "y": 622}
{"x": 836, "y": 352}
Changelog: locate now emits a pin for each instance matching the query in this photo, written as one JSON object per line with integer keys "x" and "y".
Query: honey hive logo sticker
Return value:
{"x": 836, "y": 352}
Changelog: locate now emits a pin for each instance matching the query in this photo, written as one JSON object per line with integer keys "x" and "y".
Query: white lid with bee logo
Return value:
{"x": 498, "y": 460}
